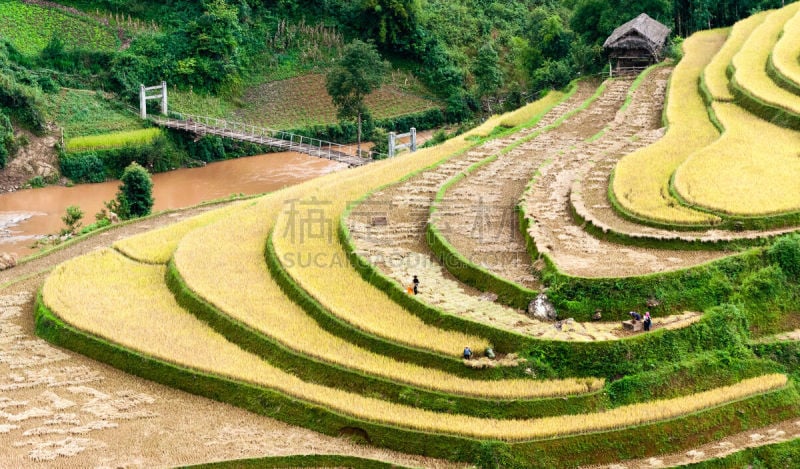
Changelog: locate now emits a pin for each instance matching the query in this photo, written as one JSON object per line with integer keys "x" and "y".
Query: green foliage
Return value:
{"x": 786, "y": 253}
{"x": 486, "y": 70}
{"x": 497, "y": 455}
{"x": 135, "y": 196}
{"x": 392, "y": 24}
{"x": 7, "y": 146}
{"x": 700, "y": 373}
{"x": 84, "y": 167}
{"x": 72, "y": 220}
{"x": 380, "y": 139}
{"x": 360, "y": 71}
{"x": 32, "y": 27}
{"x": 81, "y": 113}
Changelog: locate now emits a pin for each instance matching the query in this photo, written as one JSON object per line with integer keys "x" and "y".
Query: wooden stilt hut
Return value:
{"x": 636, "y": 45}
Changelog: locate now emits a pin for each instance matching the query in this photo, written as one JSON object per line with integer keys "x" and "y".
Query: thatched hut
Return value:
{"x": 636, "y": 44}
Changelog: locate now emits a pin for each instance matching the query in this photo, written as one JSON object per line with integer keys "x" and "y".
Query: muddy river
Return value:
{"x": 28, "y": 214}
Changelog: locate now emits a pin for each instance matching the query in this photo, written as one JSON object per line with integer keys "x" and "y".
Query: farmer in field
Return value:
{"x": 415, "y": 282}
{"x": 635, "y": 316}
{"x": 467, "y": 353}
{"x": 647, "y": 321}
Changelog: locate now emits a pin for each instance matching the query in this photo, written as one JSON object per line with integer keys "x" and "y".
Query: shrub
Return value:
{"x": 135, "y": 196}
{"x": 786, "y": 253}
{"x": 85, "y": 167}
{"x": 763, "y": 284}
{"x": 72, "y": 220}
{"x": 6, "y": 139}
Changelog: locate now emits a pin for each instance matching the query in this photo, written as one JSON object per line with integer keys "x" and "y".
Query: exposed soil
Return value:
{"x": 37, "y": 158}
{"x": 554, "y": 229}
{"x": 478, "y": 214}
{"x": 61, "y": 409}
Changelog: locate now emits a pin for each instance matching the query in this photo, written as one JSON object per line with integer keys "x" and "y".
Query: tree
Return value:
{"x": 135, "y": 196}
{"x": 357, "y": 73}
{"x": 72, "y": 220}
{"x": 392, "y": 23}
{"x": 486, "y": 69}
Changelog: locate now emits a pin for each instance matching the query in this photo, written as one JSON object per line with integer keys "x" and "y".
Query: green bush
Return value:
{"x": 786, "y": 253}
{"x": 762, "y": 285}
{"x": 135, "y": 196}
{"x": 7, "y": 144}
{"x": 83, "y": 167}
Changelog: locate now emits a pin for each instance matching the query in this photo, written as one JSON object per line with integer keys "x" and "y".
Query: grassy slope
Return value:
{"x": 30, "y": 27}
{"x": 299, "y": 101}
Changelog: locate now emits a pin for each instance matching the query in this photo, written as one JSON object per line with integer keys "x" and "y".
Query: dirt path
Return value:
{"x": 554, "y": 230}
{"x": 61, "y": 409}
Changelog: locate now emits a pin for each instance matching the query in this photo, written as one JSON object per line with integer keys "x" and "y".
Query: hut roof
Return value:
{"x": 640, "y": 32}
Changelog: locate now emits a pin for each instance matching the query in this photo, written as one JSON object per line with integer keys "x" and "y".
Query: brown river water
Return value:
{"x": 28, "y": 214}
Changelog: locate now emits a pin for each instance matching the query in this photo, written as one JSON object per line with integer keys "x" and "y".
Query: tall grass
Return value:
{"x": 132, "y": 307}
{"x": 113, "y": 140}
{"x": 750, "y": 63}
{"x": 752, "y": 170}
{"x": 641, "y": 179}
{"x": 716, "y": 73}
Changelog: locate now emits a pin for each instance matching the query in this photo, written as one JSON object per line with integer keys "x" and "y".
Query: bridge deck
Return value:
{"x": 247, "y": 133}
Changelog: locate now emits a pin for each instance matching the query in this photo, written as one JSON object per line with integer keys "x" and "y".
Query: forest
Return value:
{"x": 476, "y": 57}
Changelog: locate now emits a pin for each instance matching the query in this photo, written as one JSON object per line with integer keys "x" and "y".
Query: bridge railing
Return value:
{"x": 322, "y": 148}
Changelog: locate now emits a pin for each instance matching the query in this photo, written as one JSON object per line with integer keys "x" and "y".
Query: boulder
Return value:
{"x": 541, "y": 308}
{"x": 7, "y": 260}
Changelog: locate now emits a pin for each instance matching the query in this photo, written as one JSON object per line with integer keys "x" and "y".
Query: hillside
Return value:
{"x": 606, "y": 276}
{"x": 610, "y": 197}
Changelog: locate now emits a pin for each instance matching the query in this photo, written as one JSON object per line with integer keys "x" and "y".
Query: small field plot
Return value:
{"x": 113, "y": 140}
{"x": 752, "y": 170}
{"x": 30, "y": 28}
{"x": 298, "y": 102}
{"x": 641, "y": 179}
{"x": 82, "y": 113}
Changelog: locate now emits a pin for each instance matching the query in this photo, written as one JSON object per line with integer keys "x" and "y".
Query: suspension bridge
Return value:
{"x": 202, "y": 125}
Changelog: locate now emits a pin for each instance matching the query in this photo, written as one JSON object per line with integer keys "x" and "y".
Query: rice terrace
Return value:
{"x": 594, "y": 262}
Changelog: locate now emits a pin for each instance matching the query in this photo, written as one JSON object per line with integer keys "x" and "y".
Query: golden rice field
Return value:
{"x": 113, "y": 140}
{"x": 109, "y": 273}
{"x": 787, "y": 50}
{"x": 750, "y": 63}
{"x": 226, "y": 267}
{"x": 753, "y": 169}
{"x": 641, "y": 179}
{"x": 136, "y": 311}
{"x": 716, "y": 73}
{"x": 157, "y": 246}
{"x": 527, "y": 113}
